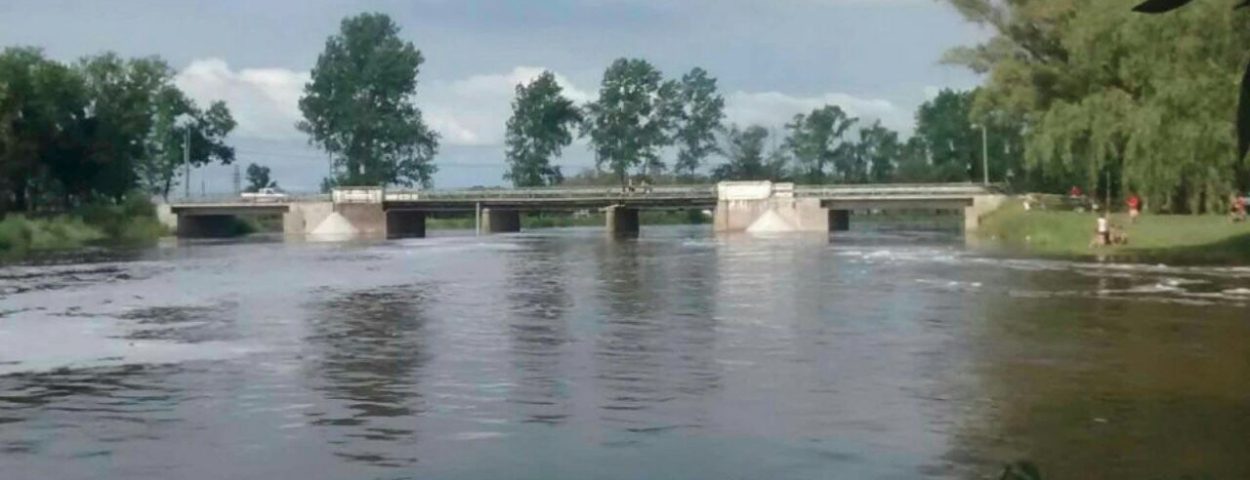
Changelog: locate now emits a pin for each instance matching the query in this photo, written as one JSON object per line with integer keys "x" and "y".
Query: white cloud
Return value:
{"x": 774, "y": 109}
{"x": 265, "y": 102}
{"x": 472, "y": 111}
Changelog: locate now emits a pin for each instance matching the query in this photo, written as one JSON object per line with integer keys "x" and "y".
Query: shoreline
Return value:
{"x": 1190, "y": 239}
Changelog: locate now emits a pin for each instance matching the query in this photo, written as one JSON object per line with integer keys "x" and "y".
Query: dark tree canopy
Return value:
{"x": 746, "y": 156}
{"x": 700, "y": 113}
{"x": 360, "y": 106}
{"x": 258, "y": 178}
{"x": 541, "y": 126}
{"x": 819, "y": 145}
{"x": 631, "y": 120}
{"x": 97, "y": 130}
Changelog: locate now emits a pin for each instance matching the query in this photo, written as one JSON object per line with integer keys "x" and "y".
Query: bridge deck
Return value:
{"x": 660, "y": 197}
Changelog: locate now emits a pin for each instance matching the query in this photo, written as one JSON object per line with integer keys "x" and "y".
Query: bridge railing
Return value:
{"x": 685, "y": 191}
{"x": 228, "y": 198}
{"x": 894, "y": 189}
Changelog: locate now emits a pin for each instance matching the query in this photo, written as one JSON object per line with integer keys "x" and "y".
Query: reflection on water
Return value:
{"x": 883, "y": 353}
{"x": 369, "y": 348}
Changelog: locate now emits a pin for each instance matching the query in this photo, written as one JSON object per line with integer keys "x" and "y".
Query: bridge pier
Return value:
{"x": 622, "y": 222}
{"x": 839, "y": 220}
{"x": 499, "y": 221}
{"x": 405, "y": 224}
{"x": 205, "y": 226}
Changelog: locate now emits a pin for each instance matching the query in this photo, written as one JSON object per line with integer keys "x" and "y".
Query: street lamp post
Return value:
{"x": 184, "y": 122}
{"x": 985, "y": 153}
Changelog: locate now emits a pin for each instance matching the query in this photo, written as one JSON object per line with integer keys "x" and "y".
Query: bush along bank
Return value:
{"x": 131, "y": 223}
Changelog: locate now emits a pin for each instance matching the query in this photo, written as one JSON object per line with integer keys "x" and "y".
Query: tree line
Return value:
{"x": 639, "y": 118}
{"x": 97, "y": 130}
{"x": 360, "y": 107}
{"x": 1115, "y": 101}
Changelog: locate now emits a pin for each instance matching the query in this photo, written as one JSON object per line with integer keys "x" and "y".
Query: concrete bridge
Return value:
{"x": 738, "y": 206}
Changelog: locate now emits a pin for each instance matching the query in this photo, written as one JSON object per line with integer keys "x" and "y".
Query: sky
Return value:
{"x": 877, "y": 59}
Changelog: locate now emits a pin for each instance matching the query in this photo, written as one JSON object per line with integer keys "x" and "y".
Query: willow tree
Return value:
{"x": 1144, "y": 101}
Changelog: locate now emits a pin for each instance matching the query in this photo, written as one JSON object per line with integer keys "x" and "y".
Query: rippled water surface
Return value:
{"x": 563, "y": 355}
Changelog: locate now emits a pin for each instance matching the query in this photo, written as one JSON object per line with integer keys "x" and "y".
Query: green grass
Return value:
{"x": 536, "y": 221}
{"x": 131, "y": 223}
{"x": 1201, "y": 238}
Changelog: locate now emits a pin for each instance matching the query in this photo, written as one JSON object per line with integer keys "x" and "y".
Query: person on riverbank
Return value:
{"x": 1102, "y": 234}
{"x": 1134, "y": 207}
{"x": 1237, "y": 207}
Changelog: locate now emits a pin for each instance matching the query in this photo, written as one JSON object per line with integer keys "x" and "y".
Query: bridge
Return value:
{"x": 738, "y": 206}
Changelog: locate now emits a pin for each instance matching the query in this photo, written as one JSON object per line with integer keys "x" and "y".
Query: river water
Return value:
{"x": 564, "y": 355}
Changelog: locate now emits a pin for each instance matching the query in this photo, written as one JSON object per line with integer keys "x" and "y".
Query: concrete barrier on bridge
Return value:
{"x": 767, "y": 207}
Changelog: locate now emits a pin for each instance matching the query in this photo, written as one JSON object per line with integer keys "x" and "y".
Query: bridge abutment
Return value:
{"x": 405, "y": 224}
{"x": 767, "y": 207}
{"x": 622, "y": 222}
{"x": 499, "y": 221}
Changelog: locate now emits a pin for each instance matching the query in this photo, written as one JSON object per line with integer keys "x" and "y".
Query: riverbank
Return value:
{"x": 1194, "y": 238}
{"x": 132, "y": 223}
{"x": 596, "y": 219}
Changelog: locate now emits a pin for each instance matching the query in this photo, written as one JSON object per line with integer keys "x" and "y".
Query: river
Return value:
{"x": 882, "y": 354}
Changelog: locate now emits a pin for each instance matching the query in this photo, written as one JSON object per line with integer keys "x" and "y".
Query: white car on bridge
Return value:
{"x": 265, "y": 194}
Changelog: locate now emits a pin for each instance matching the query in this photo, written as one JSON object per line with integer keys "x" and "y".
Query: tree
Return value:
{"x": 1108, "y": 93}
{"x": 360, "y": 106}
{"x": 746, "y": 158}
{"x": 630, "y": 122}
{"x": 42, "y": 110}
{"x": 878, "y": 150}
{"x": 700, "y": 113}
{"x": 140, "y": 139}
{"x": 258, "y": 178}
{"x": 817, "y": 143}
{"x": 954, "y": 146}
{"x": 541, "y": 126}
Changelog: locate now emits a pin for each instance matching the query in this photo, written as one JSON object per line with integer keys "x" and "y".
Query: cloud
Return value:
{"x": 265, "y": 102}
{"x": 774, "y": 109}
{"x": 472, "y": 111}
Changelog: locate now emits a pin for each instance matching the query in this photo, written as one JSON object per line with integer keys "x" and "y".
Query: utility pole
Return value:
{"x": 237, "y": 180}
{"x": 985, "y": 155}
{"x": 186, "y": 161}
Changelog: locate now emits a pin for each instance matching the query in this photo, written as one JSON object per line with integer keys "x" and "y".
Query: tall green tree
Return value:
{"x": 819, "y": 145}
{"x": 701, "y": 109}
{"x": 258, "y": 177}
{"x": 945, "y": 124}
{"x": 541, "y": 126}
{"x": 144, "y": 122}
{"x": 879, "y": 151}
{"x": 631, "y": 121}
{"x": 41, "y": 111}
{"x": 746, "y": 156}
{"x": 1145, "y": 100}
{"x": 360, "y": 106}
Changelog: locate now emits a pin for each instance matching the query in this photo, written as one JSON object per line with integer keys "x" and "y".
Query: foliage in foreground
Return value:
{"x": 131, "y": 223}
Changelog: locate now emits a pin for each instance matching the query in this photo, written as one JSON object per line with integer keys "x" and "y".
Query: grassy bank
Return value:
{"x": 131, "y": 223}
{"x": 555, "y": 220}
{"x": 1199, "y": 238}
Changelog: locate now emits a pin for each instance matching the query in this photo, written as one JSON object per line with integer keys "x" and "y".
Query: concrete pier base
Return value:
{"x": 839, "y": 220}
{"x": 622, "y": 222}
{"x": 405, "y": 224}
{"x": 499, "y": 221}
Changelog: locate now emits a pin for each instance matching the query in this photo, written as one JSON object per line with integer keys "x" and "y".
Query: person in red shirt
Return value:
{"x": 1075, "y": 192}
{"x": 1134, "y": 207}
